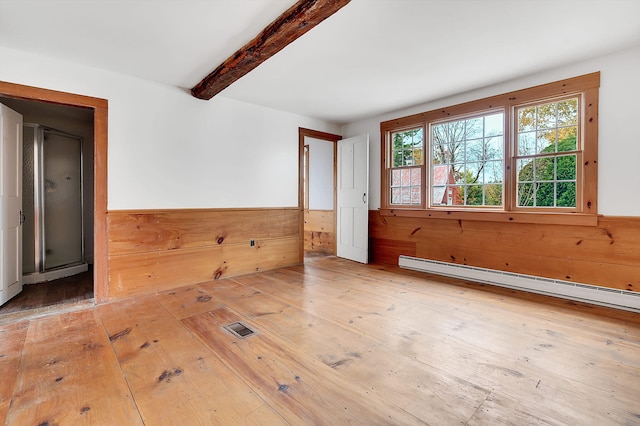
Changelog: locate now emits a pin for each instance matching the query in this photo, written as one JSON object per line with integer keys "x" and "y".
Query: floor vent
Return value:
{"x": 239, "y": 329}
{"x": 604, "y": 296}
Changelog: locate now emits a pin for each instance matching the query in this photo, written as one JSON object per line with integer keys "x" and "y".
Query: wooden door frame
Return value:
{"x": 329, "y": 137}
{"x": 100, "y": 131}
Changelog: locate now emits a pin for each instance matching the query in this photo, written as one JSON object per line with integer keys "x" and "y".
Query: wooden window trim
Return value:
{"x": 578, "y": 219}
{"x": 586, "y": 85}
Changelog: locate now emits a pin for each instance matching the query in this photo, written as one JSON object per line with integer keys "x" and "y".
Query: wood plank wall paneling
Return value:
{"x": 155, "y": 250}
{"x": 387, "y": 251}
{"x": 605, "y": 255}
{"x": 319, "y": 231}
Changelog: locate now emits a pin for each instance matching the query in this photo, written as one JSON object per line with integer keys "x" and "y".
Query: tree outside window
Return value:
{"x": 473, "y": 150}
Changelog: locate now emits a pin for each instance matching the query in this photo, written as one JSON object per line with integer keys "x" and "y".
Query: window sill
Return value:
{"x": 578, "y": 219}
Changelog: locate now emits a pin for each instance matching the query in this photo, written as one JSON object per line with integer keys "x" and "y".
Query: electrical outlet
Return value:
{"x": 252, "y": 243}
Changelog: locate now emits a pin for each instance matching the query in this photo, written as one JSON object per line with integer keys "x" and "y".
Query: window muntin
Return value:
{"x": 548, "y": 154}
{"x": 467, "y": 161}
{"x": 407, "y": 159}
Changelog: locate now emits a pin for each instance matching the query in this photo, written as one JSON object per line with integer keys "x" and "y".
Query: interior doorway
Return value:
{"x": 57, "y": 204}
{"x": 72, "y": 107}
{"x": 317, "y": 195}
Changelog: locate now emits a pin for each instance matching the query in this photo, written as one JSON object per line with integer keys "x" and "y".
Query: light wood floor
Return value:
{"x": 336, "y": 343}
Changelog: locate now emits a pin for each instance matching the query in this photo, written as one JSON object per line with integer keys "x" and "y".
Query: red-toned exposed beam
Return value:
{"x": 293, "y": 23}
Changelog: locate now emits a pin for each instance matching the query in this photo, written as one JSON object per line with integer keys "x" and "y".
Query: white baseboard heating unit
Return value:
{"x": 620, "y": 299}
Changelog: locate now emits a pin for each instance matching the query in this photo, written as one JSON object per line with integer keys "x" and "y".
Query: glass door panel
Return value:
{"x": 62, "y": 185}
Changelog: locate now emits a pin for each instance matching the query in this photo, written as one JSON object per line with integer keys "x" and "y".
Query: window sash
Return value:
{"x": 469, "y": 146}
{"x": 555, "y": 183}
{"x": 396, "y": 193}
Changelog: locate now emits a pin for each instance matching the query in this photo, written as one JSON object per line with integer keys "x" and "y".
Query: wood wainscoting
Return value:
{"x": 153, "y": 250}
{"x": 319, "y": 231}
{"x": 606, "y": 255}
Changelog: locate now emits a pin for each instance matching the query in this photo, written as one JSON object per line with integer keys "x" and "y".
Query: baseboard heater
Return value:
{"x": 620, "y": 299}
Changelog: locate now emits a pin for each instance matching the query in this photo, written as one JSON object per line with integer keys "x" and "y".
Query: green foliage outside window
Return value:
{"x": 542, "y": 189}
{"x": 408, "y": 148}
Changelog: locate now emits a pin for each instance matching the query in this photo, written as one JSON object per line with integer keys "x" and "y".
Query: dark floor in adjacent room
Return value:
{"x": 63, "y": 291}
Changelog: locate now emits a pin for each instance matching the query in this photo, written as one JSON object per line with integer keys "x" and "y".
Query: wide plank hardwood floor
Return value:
{"x": 335, "y": 342}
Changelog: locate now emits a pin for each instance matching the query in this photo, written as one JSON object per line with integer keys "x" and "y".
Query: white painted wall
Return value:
{"x": 619, "y": 138}
{"x": 168, "y": 149}
{"x": 320, "y": 173}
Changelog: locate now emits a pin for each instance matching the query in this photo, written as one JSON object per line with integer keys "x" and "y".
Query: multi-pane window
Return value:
{"x": 407, "y": 153}
{"x": 467, "y": 161}
{"x": 532, "y": 150}
{"x": 547, "y": 154}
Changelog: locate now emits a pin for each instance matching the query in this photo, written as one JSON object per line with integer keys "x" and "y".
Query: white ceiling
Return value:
{"x": 371, "y": 57}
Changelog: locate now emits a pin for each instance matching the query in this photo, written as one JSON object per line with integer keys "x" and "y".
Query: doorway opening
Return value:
{"x": 57, "y": 204}
{"x": 317, "y": 193}
{"x": 87, "y": 117}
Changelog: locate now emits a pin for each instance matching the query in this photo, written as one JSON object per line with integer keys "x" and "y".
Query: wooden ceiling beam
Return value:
{"x": 293, "y": 23}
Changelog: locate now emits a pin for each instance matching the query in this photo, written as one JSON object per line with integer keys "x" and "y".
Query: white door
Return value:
{"x": 10, "y": 203}
{"x": 353, "y": 198}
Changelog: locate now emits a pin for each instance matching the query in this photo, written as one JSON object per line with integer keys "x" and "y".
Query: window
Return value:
{"x": 508, "y": 157}
{"x": 467, "y": 160}
{"x": 547, "y": 154}
{"x": 407, "y": 152}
